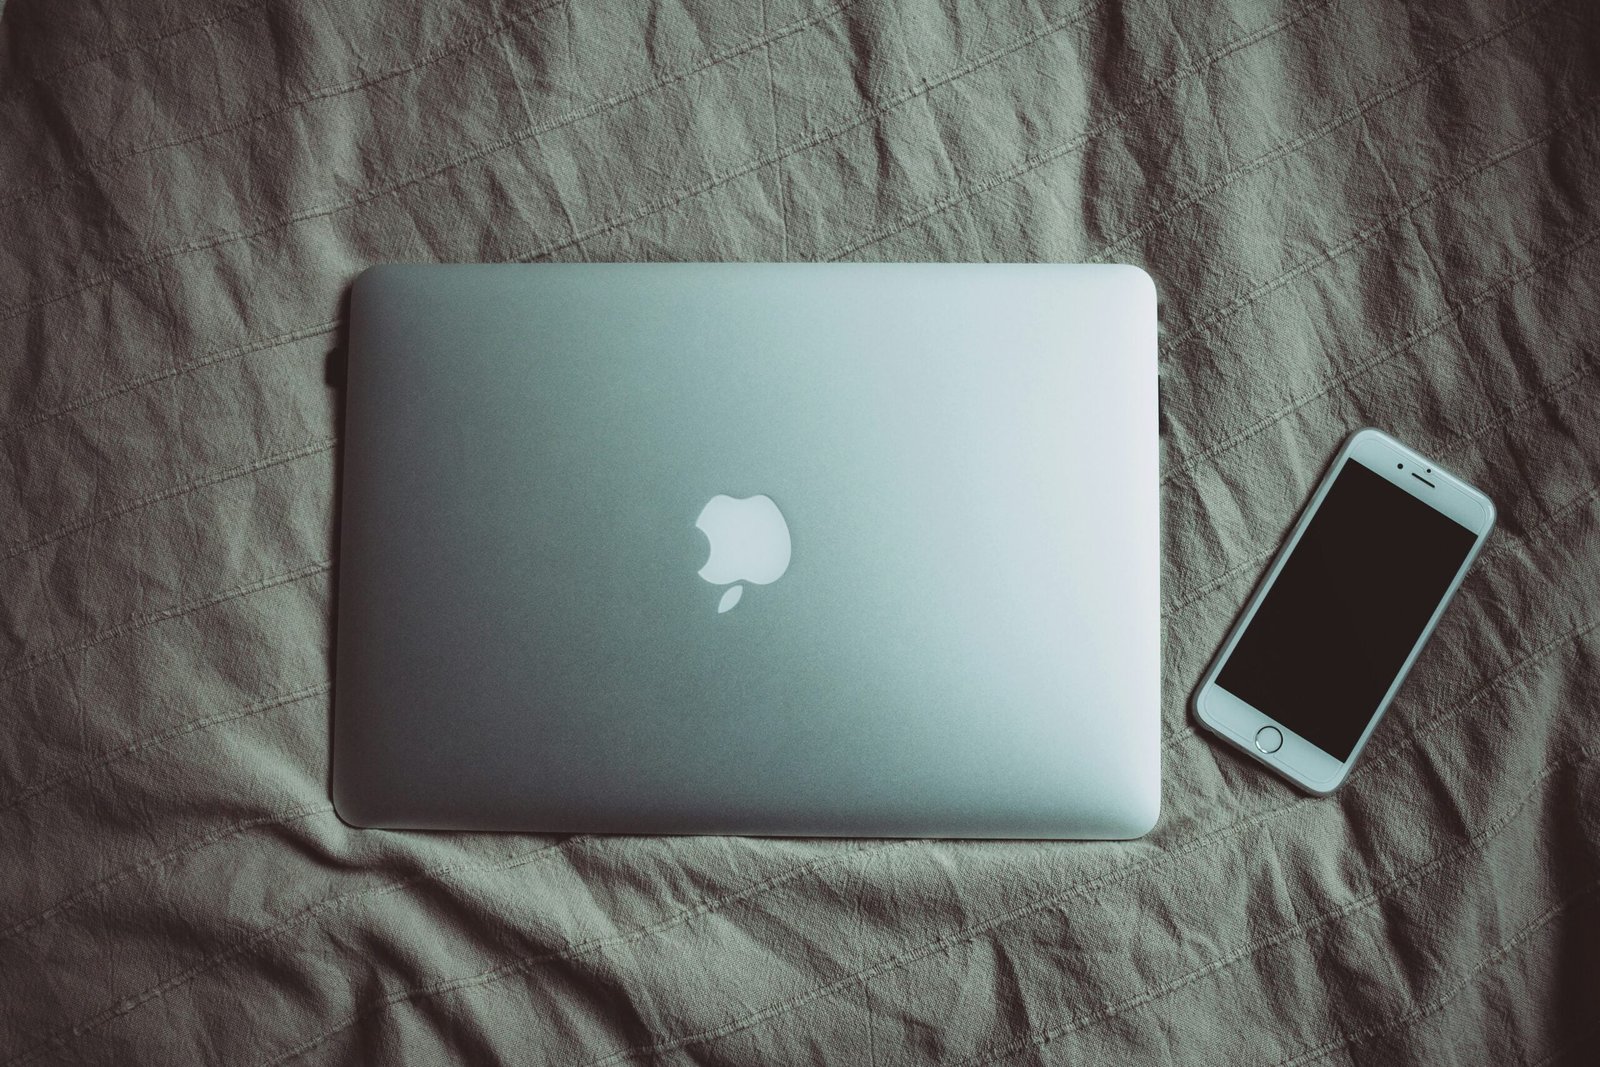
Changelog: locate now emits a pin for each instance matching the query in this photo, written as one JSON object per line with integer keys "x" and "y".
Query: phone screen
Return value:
{"x": 1346, "y": 609}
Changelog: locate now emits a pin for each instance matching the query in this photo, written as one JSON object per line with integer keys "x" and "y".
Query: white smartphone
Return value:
{"x": 1343, "y": 612}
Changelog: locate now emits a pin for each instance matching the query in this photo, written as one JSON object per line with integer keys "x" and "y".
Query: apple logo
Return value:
{"x": 749, "y": 543}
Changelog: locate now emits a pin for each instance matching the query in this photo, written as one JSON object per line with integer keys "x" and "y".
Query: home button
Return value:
{"x": 1269, "y": 739}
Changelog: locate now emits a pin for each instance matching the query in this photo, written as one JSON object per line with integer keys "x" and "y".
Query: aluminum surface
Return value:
{"x": 965, "y": 641}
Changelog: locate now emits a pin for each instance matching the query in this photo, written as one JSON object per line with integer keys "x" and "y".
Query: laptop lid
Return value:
{"x": 846, "y": 549}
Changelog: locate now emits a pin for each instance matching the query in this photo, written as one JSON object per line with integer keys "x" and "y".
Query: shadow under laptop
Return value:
{"x": 334, "y": 375}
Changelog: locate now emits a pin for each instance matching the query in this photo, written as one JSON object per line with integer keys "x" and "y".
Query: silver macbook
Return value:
{"x": 853, "y": 549}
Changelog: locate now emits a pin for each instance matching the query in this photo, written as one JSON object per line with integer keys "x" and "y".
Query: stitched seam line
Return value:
{"x": 1391, "y": 888}
{"x": 1503, "y": 283}
{"x": 69, "y": 902}
{"x": 130, "y": 45}
{"x": 315, "y": 448}
{"x": 1449, "y": 992}
{"x": 1307, "y": 139}
{"x": 1558, "y": 515}
{"x": 96, "y": 165}
{"x": 1372, "y": 764}
{"x": 593, "y": 944}
{"x": 1363, "y": 236}
{"x": 571, "y": 951}
{"x": 128, "y": 265}
{"x": 1215, "y": 582}
{"x": 1340, "y": 120}
{"x": 1108, "y": 879}
{"x": 81, "y": 770}
{"x": 39, "y": 417}
{"x": 125, "y": 1005}
{"x": 839, "y": 129}
{"x": 1573, "y": 378}
{"x": 139, "y": 622}
{"x": 1156, "y": 90}
{"x": 715, "y": 181}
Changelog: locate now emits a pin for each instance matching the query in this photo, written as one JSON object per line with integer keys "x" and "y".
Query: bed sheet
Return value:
{"x": 1356, "y": 213}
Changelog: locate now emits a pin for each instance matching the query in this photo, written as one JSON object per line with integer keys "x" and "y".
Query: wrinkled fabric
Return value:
{"x": 1356, "y": 213}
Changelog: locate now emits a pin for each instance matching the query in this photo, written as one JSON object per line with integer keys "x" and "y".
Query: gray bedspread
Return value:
{"x": 1356, "y": 213}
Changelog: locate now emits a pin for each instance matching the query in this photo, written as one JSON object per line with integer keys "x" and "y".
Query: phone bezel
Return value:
{"x": 1237, "y": 722}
